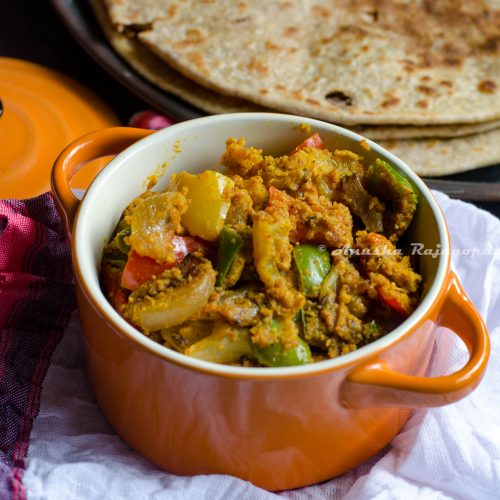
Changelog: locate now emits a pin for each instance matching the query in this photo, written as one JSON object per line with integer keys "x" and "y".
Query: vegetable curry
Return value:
{"x": 277, "y": 262}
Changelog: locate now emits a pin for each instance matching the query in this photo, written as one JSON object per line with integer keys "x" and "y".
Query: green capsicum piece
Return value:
{"x": 330, "y": 284}
{"x": 116, "y": 252}
{"x": 230, "y": 243}
{"x": 396, "y": 192}
{"x": 371, "y": 330}
{"x": 276, "y": 355}
{"x": 381, "y": 172}
{"x": 120, "y": 240}
{"x": 313, "y": 265}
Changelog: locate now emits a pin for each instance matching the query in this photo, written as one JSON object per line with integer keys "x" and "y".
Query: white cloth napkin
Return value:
{"x": 447, "y": 452}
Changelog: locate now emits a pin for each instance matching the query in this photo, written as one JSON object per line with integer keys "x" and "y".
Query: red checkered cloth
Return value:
{"x": 36, "y": 300}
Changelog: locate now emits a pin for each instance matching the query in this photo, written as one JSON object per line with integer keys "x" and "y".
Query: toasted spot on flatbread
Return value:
{"x": 487, "y": 87}
{"x": 392, "y": 101}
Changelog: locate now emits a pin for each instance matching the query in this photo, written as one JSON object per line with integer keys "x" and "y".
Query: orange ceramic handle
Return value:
{"x": 106, "y": 142}
{"x": 376, "y": 385}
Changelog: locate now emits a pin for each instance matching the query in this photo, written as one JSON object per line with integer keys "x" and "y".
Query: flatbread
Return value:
{"x": 380, "y": 132}
{"x": 125, "y": 13}
{"x": 435, "y": 157}
{"x": 388, "y": 62}
{"x": 429, "y": 157}
{"x": 156, "y": 71}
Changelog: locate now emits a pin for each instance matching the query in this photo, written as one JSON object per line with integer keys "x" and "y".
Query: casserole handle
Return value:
{"x": 106, "y": 142}
{"x": 374, "y": 384}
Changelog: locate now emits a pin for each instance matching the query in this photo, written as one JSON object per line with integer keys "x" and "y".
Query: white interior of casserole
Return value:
{"x": 201, "y": 143}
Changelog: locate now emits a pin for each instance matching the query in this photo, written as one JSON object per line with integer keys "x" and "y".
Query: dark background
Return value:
{"x": 31, "y": 30}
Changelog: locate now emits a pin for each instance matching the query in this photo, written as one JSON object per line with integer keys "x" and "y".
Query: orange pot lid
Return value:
{"x": 43, "y": 111}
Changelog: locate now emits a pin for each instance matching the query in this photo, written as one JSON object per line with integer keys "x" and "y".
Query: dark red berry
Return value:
{"x": 150, "y": 119}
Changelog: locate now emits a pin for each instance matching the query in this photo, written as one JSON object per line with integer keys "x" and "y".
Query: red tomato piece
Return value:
{"x": 140, "y": 269}
{"x": 299, "y": 233}
{"x": 111, "y": 279}
{"x": 184, "y": 245}
{"x": 376, "y": 239}
{"x": 392, "y": 302}
{"x": 311, "y": 142}
{"x": 275, "y": 195}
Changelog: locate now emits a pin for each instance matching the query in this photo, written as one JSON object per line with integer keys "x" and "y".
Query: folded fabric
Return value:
{"x": 36, "y": 299}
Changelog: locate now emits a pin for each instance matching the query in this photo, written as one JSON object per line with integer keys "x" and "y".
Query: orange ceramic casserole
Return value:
{"x": 276, "y": 427}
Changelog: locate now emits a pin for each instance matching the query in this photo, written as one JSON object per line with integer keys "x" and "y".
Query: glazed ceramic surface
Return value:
{"x": 43, "y": 111}
{"x": 276, "y": 427}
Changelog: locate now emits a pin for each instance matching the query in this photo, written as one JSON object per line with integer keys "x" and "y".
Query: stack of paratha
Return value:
{"x": 421, "y": 77}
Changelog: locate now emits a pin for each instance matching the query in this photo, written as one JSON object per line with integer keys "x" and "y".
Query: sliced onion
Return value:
{"x": 226, "y": 344}
{"x": 154, "y": 222}
{"x": 175, "y": 305}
